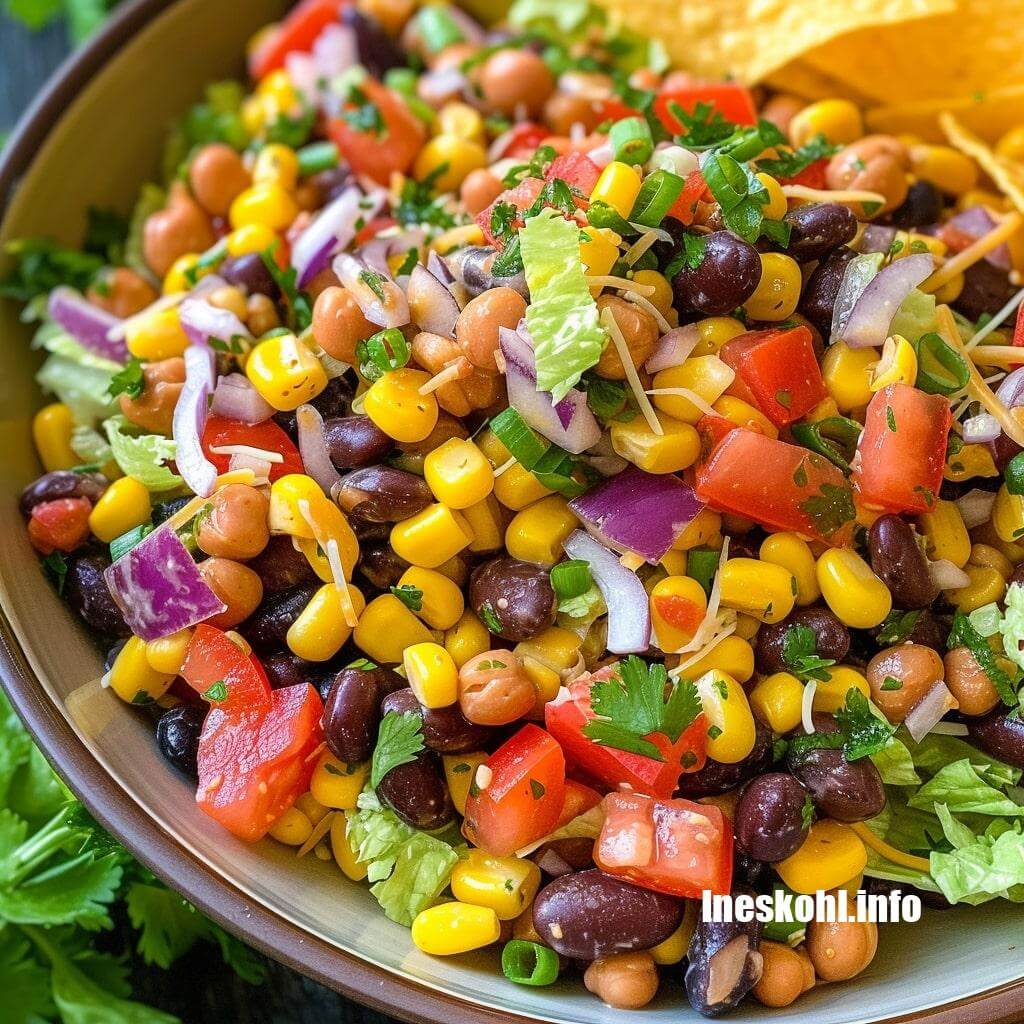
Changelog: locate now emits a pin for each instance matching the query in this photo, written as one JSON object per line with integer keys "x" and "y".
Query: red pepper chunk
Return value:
{"x": 779, "y": 485}
{"x": 672, "y": 846}
{"x": 729, "y": 99}
{"x": 296, "y": 34}
{"x": 1018, "y": 329}
{"x": 267, "y": 436}
{"x": 776, "y": 372}
{"x": 902, "y": 451}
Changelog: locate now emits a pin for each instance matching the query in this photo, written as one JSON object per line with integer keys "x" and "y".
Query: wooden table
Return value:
{"x": 198, "y": 989}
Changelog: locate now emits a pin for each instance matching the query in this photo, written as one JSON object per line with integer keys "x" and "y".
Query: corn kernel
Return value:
{"x": 395, "y": 404}
{"x": 744, "y": 415}
{"x": 432, "y": 674}
{"x": 505, "y": 884}
{"x": 761, "y": 589}
{"x": 986, "y": 556}
{"x": 344, "y": 855}
{"x": 517, "y": 487}
{"x": 948, "y": 169}
{"x": 734, "y": 656}
{"x": 267, "y": 204}
{"x": 51, "y": 432}
{"x": 457, "y": 157}
{"x": 777, "y": 701}
{"x": 731, "y": 730}
{"x": 830, "y": 694}
{"x": 847, "y": 374}
{"x": 536, "y": 533}
{"x": 456, "y": 238}
{"x": 462, "y": 121}
{"x": 706, "y": 376}
{"x": 662, "y": 297}
{"x": 598, "y": 252}
{"x": 311, "y": 808}
{"x": 618, "y": 186}
{"x": 459, "y": 773}
{"x": 276, "y": 164}
{"x": 337, "y": 785}
{"x": 714, "y": 331}
{"x": 486, "y": 522}
{"x": 156, "y": 336}
{"x": 830, "y": 856}
{"x": 431, "y": 537}
{"x": 184, "y": 273}
{"x": 167, "y": 654}
{"x": 386, "y": 628}
{"x": 969, "y": 461}
{"x": 678, "y": 606}
{"x": 792, "y": 552}
{"x": 466, "y": 639}
{"x": 987, "y": 585}
{"x": 701, "y": 531}
{"x": 944, "y": 533}
{"x": 672, "y": 950}
{"x": 452, "y": 928}
{"x": 293, "y": 828}
{"x": 898, "y": 364}
{"x": 675, "y": 449}
{"x": 253, "y": 238}
{"x": 441, "y": 600}
{"x": 458, "y": 473}
{"x": 778, "y": 290}
{"x": 852, "y": 590}
{"x": 321, "y": 629}
{"x": 840, "y": 121}
{"x": 132, "y": 678}
{"x": 1008, "y": 515}
{"x": 123, "y": 505}
{"x": 285, "y": 372}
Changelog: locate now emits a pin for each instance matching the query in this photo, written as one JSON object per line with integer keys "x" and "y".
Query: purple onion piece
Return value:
{"x": 190, "y": 420}
{"x": 981, "y": 428}
{"x": 975, "y": 223}
{"x": 236, "y": 399}
{"x": 431, "y": 305}
{"x": 392, "y": 311}
{"x": 202, "y": 321}
{"x": 333, "y": 230}
{"x": 673, "y": 349}
{"x": 313, "y": 448}
{"x": 87, "y": 324}
{"x": 876, "y": 305}
{"x": 876, "y": 238}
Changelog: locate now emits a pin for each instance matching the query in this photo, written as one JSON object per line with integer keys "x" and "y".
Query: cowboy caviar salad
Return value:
{"x": 552, "y": 487}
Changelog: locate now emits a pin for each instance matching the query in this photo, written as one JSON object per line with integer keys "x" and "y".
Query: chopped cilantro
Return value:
{"x": 299, "y": 306}
{"x": 890, "y": 418}
{"x": 490, "y": 618}
{"x": 128, "y": 380}
{"x": 537, "y": 789}
{"x": 412, "y": 258}
{"x": 375, "y": 282}
{"x": 800, "y": 653}
{"x": 892, "y": 683}
{"x": 788, "y": 164}
{"x": 399, "y": 740}
{"x": 897, "y": 627}
{"x": 55, "y": 565}
{"x": 418, "y": 205}
{"x": 217, "y": 692}
{"x": 705, "y": 128}
{"x": 40, "y": 265}
{"x": 861, "y": 732}
{"x": 963, "y": 634}
{"x": 411, "y": 597}
{"x": 362, "y": 114}
{"x": 830, "y": 509}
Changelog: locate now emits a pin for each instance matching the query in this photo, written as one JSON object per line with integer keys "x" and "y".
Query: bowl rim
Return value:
{"x": 215, "y": 895}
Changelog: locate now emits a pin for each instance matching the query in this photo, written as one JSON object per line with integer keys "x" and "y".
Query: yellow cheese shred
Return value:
{"x": 632, "y": 378}
{"x": 881, "y": 847}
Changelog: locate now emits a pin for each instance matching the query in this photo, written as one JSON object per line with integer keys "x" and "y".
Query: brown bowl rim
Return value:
{"x": 346, "y": 973}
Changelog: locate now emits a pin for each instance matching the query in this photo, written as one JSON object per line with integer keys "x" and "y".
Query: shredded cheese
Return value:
{"x": 711, "y": 623}
{"x": 690, "y": 396}
{"x": 1008, "y": 357}
{"x": 622, "y": 283}
{"x": 331, "y": 550}
{"x": 323, "y": 826}
{"x": 807, "y": 706}
{"x": 976, "y": 251}
{"x": 638, "y": 300}
{"x": 632, "y": 378}
{"x": 718, "y": 637}
{"x": 504, "y": 467}
{"x": 824, "y": 195}
{"x": 446, "y": 376}
{"x": 890, "y": 853}
{"x": 639, "y": 247}
{"x": 244, "y": 449}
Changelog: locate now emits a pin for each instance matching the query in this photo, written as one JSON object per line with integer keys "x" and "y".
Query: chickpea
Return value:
{"x": 787, "y": 973}
{"x": 153, "y": 408}
{"x": 876, "y": 163}
{"x": 216, "y": 176}
{"x": 524, "y": 928}
{"x": 639, "y": 330}
{"x": 339, "y": 324}
{"x": 479, "y": 189}
{"x": 841, "y": 950}
{"x": 122, "y": 292}
{"x": 445, "y": 429}
{"x": 236, "y": 525}
{"x": 781, "y": 109}
{"x": 477, "y": 328}
{"x": 181, "y": 227}
{"x": 230, "y": 298}
{"x": 236, "y": 585}
{"x": 562, "y": 111}
{"x": 625, "y": 981}
{"x": 914, "y": 667}
{"x": 969, "y": 683}
{"x": 470, "y": 389}
{"x": 261, "y": 315}
{"x": 453, "y": 56}
{"x": 494, "y": 689}
{"x": 514, "y": 81}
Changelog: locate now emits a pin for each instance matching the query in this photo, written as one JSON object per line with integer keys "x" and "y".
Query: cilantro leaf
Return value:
{"x": 788, "y": 164}
{"x": 739, "y": 193}
{"x": 897, "y": 627}
{"x": 861, "y": 732}
{"x": 963, "y": 634}
{"x": 705, "y": 128}
{"x": 417, "y": 204}
{"x": 300, "y": 308}
{"x": 609, "y": 400}
{"x": 168, "y": 925}
{"x": 399, "y": 740}
{"x": 24, "y": 982}
{"x": 830, "y": 509}
{"x": 361, "y": 113}
{"x": 127, "y": 381}
{"x": 40, "y": 265}
{"x": 800, "y": 653}
{"x": 411, "y": 597}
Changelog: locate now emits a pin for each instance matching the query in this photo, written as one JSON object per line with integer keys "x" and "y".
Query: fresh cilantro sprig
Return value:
{"x": 40, "y": 265}
{"x": 963, "y": 634}
{"x": 418, "y": 203}
{"x": 536, "y": 168}
{"x": 361, "y": 113}
{"x": 300, "y": 308}
{"x": 399, "y": 740}
{"x": 705, "y": 128}
{"x": 128, "y": 380}
{"x": 861, "y": 732}
{"x": 790, "y": 162}
{"x": 411, "y": 597}
{"x": 556, "y": 193}
{"x": 638, "y": 702}
{"x": 897, "y": 627}
{"x": 800, "y": 653}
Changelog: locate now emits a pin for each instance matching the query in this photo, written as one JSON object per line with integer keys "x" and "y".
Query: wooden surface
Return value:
{"x": 199, "y": 989}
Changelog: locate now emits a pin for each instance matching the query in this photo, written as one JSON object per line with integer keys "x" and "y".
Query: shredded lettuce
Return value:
{"x": 90, "y": 446}
{"x": 564, "y": 15}
{"x": 980, "y": 867}
{"x": 79, "y": 378}
{"x": 962, "y": 788}
{"x": 895, "y": 765}
{"x": 1012, "y": 625}
{"x": 562, "y": 316}
{"x": 142, "y": 456}
{"x": 409, "y": 869}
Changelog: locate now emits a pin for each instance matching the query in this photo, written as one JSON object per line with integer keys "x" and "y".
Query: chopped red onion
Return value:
{"x": 333, "y": 230}
{"x": 189, "y": 421}
{"x": 202, "y": 321}
{"x": 972, "y": 224}
{"x": 976, "y": 507}
{"x": 431, "y": 304}
{"x": 639, "y": 512}
{"x": 236, "y": 399}
{"x": 602, "y": 155}
{"x": 391, "y": 311}
{"x": 158, "y": 587}
{"x": 673, "y": 349}
{"x": 946, "y": 575}
{"x": 981, "y": 428}
{"x": 313, "y": 448}
{"x": 1011, "y": 389}
{"x": 929, "y": 711}
{"x": 877, "y": 303}
{"x": 438, "y": 266}
{"x": 441, "y": 86}
{"x": 553, "y": 863}
{"x": 260, "y": 467}
{"x": 629, "y": 615}
{"x": 88, "y": 324}
{"x": 876, "y": 238}
{"x": 375, "y": 252}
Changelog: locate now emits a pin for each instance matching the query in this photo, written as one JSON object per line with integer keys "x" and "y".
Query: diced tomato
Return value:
{"x": 902, "y": 451}
{"x": 374, "y": 228}
{"x": 712, "y": 429}
{"x": 267, "y": 436}
{"x": 778, "y": 485}
{"x": 524, "y": 798}
{"x": 813, "y": 175}
{"x": 732, "y": 101}
{"x": 671, "y": 846}
{"x": 611, "y": 767}
{"x": 1018, "y": 330}
{"x": 694, "y": 191}
{"x": 679, "y": 612}
{"x": 578, "y": 800}
{"x": 613, "y": 109}
{"x": 296, "y": 34}
{"x": 523, "y": 141}
{"x": 60, "y": 525}
{"x": 777, "y": 372}
{"x": 380, "y": 156}
{"x": 213, "y": 657}
{"x": 577, "y": 170}
{"x": 522, "y": 197}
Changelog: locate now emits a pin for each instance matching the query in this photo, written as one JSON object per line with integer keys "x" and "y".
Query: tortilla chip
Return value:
{"x": 988, "y": 115}
{"x": 977, "y": 47}
{"x": 749, "y": 39}
{"x": 1007, "y": 174}
{"x": 802, "y": 80}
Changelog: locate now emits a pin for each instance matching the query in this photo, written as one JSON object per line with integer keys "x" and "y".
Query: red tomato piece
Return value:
{"x": 694, "y": 191}
{"x": 577, "y": 170}
{"x": 613, "y": 109}
{"x": 296, "y": 34}
{"x": 1018, "y": 330}
{"x": 380, "y": 156}
{"x": 672, "y": 846}
{"x": 732, "y": 101}
{"x": 524, "y": 799}
{"x": 372, "y": 229}
{"x": 776, "y": 372}
{"x": 611, "y": 767}
{"x": 523, "y": 141}
{"x": 213, "y": 657}
{"x": 578, "y": 800}
{"x": 779, "y": 485}
{"x": 267, "y": 436}
{"x": 902, "y": 449}
{"x": 813, "y": 175}
{"x": 60, "y": 525}
{"x": 522, "y": 197}
{"x": 712, "y": 429}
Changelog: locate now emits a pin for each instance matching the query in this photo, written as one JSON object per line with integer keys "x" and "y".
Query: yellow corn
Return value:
{"x": 684, "y": 600}
{"x": 830, "y": 694}
{"x": 452, "y": 928}
{"x": 344, "y": 855}
{"x": 432, "y": 674}
{"x": 293, "y": 828}
{"x": 51, "y": 432}
{"x": 536, "y": 533}
{"x": 267, "y": 204}
{"x": 486, "y": 522}
{"x": 321, "y": 629}
{"x": 969, "y": 461}
{"x": 395, "y": 404}
{"x": 986, "y": 534}
{"x": 459, "y": 773}
{"x": 839, "y": 121}
{"x": 386, "y": 628}
{"x": 457, "y": 156}
{"x": 701, "y": 532}
{"x": 986, "y": 586}
{"x": 1008, "y": 515}
{"x": 898, "y": 364}
{"x": 944, "y": 533}
{"x": 714, "y": 332}
{"x": 123, "y": 505}
{"x": 496, "y": 453}
{"x": 986, "y": 556}
{"x": 276, "y": 164}
{"x": 132, "y": 678}
{"x": 517, "y": 487}
{"x": 778, "y": 290}
{"x": 311, "y": 808}
{"x": 746, "y": 626}
{"x": 506, "y": 885}
{"x": 830, "y": 856}
{"x": 458, "y": 473}
{"x": 456, "y": 238}
{"x": 431, "y": 537}
{"x": 676, "y": 448}
{"x": 662, "y": 296}
{"x": 617, "y": 186}
{"x": 734, "y": 656}
{"x": 672, "y": 950}
{"x": 847, "y": 374}
{"x": 598, "y": 252}
{"x": 462, "y": 121}
{"x": 946, "y": 168}
{"x": 851, "y": 589}
{"x": 761, "y": 589}
{"x": 184, "y": 273}
{"x": 743, "y": 414}
{"x": 253, "y": 238}
{"x": 442, "y": 603}
{"x": 731, "y": 730}
{"x": 167, "y": 654}
{"x": 792, "y": 552}
{"x": 776, "y": 700}
{"x": 674, "y": 562}
{"x": 777, "y": 203}
{"x": 285, "y": 372}
{"x": 706, "y": 376}
{"x": 466, "y": 639}
{"x": 336, "y": 784}
{"x": 156, "y": 336}
{"x": 545, "y": 658}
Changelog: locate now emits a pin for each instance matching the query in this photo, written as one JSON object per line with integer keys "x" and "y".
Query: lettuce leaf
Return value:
{"x": 1012, "y": 625}
{"x": 979, "y": 867}
{"x": 963, "y": 790}
{"x": 907, "y": 829}
{"x": 79, "y": 378}
{"x": 936, "y": 751}
{"x": 142, "y": 456}
{"x": 895, "y": 764}
{"x": 562, "y": 316}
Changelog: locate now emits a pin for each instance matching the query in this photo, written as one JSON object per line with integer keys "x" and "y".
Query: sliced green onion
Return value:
{"x": 437, "y": 29}
{"x": 570, "y": 579}
{"x": 941, "y": 370}
{"x": 122, "y": 545}
{"x": 316, "y": 157}
{"x": 1014, "y": 474}
{"x": 529, "y": 963}
{"x": 656, "y": 197}
{"x": 387, "y": 350}
{"x": 781, "y": 930}
{"x": 834, "y": 437}
{"x": 554, "y": 471}
{"x": 701, "y": 565}
{"x": 631, "y": 140}
{"x": 522, "y": 442}
{"x": 401, "y": 80}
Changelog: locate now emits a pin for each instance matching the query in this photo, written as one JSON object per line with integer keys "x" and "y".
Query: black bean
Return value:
{"x": 63, "y": 483}
{"x": 368, "y": 532}
{"x": 352, "y": 710}
{"x": 249, "y": 272}
{"x": 818, "y": 228}
{"x": 163, "y": 510}
{"x": 831, "y": 637}
{"x": 842, "y": 790}
{"x": 931, "y": 630}
{"x": 286, "y": 669}
{"x": 589, "y": 914}
{"x": 725, "y": 278}
{"x": 383, "y": 494}
{"x": 999, "y": 735}
{"x": 445, "y": 730}
{"x": 922, "y": 206}
{"x": 381, "y": 566}
{"x": 267, "y": 628}
{"x": 724, "y": 965}
{"x": 818, "y": 299}
{"x": 111, "y": 656}
{"x": 331, "y": 183}
{"x": 771, "y": 819}
{"x": 177, "y": 735}
{"x": 280, "y": 567}
{"x": 987, "y": 289}
{"x": 355, "y": 441}
{"x": 417, "y": 793}
{"x": 716, "y": 777}
{"x": 86, "y": 591}
{"x": 333, "y": 401}
{"x": 377, "y": 53}
{"x": 514, "y": 599}
{"x": 900, "y": 564}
